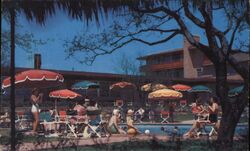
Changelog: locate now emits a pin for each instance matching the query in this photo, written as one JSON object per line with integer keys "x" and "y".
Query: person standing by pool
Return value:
{"x": 151, "y": 115}
{"x": 171, "y": 111}
{"x": 132, "y": 130}
{"x": 35, "y": 98}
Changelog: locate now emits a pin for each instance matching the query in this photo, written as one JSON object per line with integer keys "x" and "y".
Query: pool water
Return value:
{"x": 241, "y": 129}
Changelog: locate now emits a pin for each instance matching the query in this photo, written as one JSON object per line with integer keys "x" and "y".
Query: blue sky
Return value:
{"x": 60, "y": 27}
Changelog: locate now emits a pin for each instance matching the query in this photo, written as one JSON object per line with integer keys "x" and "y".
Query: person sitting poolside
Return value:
{"x": 197, "y": 108}
{"x": 132, "y": 130}
{"x": 212, "y": 117}
{"x": 81, "y": 111}
{"x": 113, "y": 127}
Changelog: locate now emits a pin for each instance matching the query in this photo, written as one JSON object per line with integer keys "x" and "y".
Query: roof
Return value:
{"x": 168, "y": 52}
{"x": 241, "y": 56}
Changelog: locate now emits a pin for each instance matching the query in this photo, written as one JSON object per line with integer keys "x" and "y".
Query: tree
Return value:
{"x": 146, "y": 19}
{"x": 126, "y": 65}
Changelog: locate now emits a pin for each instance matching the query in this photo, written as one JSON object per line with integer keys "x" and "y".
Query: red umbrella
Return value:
{"x": 181, "y": 87}
{"x": 122, "y": 85}
{"x": 35, "y": 78}
{"x": 64, "y": 94}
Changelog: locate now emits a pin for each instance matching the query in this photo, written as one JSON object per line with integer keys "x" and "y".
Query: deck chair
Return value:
{"x": 165, "y": 116}
{"x": 22, "y": 121}
{"x": 203, "y": 130}
{"x": 96, "y": 127}
{"x": 47, "y": 123}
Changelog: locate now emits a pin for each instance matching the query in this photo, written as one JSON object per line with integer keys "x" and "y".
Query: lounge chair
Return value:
{"x": 206, "y": 122}
{"x": 47, "y": 123}
{"x": 95, "y": 127}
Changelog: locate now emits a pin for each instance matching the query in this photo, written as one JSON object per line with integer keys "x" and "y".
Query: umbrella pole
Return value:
{"x": 98, "y": 92}
{"x": 56, "y": 113}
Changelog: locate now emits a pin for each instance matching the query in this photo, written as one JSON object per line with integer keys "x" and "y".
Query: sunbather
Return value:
{"x": 132, "y": 130}
{"x": 212, "y": 116}
{"x": 113, "y": 127}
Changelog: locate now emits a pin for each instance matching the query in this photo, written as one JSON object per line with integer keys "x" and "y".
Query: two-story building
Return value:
{"x": 187, "y": 63}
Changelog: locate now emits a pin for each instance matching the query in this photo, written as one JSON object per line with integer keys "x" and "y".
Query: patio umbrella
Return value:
{"x": 84, "y": 85}
{"x": 35, "y": 78}
{"x": 181, "y": 87}
{"x": 63, "y": 94}
{"x": 164, "y": 94}
{"x": 200, "y": 88}
{"x": 235, "y": 91}
{"x": 152, "y": 87}
{"x": 122, "y": 85}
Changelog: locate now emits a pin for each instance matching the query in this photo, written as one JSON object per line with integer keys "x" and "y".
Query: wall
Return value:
{"x": 191, "y": 59}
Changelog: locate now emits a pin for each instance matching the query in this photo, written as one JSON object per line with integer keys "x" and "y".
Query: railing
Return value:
{"x": 162, "y": 66}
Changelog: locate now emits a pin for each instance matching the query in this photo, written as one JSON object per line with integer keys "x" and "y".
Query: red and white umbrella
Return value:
{"x": 35, "y": 78}
{"x": 122, "y": 85}
{"x": 64, "y": 94}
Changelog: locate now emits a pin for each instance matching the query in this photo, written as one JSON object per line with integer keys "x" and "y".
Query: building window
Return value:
{"x": 176, "y": 57}
{"x": 199, "y": 71}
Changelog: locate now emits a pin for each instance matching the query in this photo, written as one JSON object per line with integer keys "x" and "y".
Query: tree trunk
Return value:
{"x": 231, "y": 110}
{"x": 230, "y": 118}
{"x": 12, "y": 80}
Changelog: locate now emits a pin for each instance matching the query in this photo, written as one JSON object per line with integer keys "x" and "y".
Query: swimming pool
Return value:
{"x": 241, "y": 129}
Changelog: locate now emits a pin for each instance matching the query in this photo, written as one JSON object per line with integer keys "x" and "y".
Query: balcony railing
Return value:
{"x": 162, "y": 66}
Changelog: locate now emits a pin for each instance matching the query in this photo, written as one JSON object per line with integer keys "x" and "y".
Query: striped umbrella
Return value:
{"x": 63, "y": 94}
{"x": 35, "y": 78}
{"x": 152, "y": 87}
{"x": 164, "y": 94}
{"x": 122, "y": 85}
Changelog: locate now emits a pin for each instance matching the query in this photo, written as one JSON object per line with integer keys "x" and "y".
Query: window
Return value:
{"x": 176, "y": 57}
{"x": 199, "y": 71}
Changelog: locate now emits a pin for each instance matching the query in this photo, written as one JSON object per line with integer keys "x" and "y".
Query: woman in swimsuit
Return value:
{"x": 212, "y": 114}
{"x": 35, "y": 98}
{"x": 113, "y": 127}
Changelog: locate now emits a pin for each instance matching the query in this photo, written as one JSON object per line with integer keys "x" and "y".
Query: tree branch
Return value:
{"x": 194, "y": 19}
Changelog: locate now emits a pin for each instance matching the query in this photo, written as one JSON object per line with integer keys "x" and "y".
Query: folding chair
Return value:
{"x": 95, "y": 127}
{"x": 183, "y": 104}
{"x": 165, "y": 116}
{"x": 206, "y": 122}
{"x": 21, "y": 122}
{"x": 47, "y": 123}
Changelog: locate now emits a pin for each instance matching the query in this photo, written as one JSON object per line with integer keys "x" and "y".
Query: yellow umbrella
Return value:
{"x": 164, "y": 94}
{"x": 152, "y": 87}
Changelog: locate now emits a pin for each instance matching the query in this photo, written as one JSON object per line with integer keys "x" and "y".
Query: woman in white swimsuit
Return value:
{"x": 35, "y": 98}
